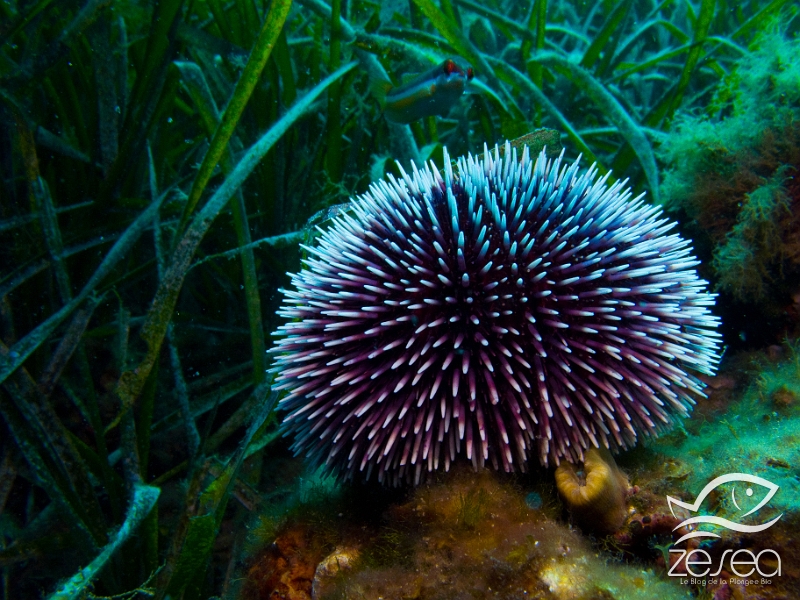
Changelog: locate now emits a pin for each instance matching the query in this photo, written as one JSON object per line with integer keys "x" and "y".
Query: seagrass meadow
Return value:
{"x": 177, "y": 185}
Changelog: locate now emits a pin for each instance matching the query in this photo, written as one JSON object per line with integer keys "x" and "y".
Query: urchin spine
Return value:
{"x": 509, "y": 305}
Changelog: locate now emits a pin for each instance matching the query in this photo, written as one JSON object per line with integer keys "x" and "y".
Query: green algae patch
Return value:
{"x": 745, "y": 259}
{"x": 730, "y": 174}
{"x": 757, "y": 434}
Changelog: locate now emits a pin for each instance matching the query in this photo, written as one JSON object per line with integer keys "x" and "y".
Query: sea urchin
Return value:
{"x": 508, "y": 309}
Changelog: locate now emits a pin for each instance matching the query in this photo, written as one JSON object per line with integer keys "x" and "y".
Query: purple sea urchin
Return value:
{"x": 508, "y": 309}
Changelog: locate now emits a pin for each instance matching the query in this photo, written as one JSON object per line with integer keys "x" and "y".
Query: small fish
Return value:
{"x": 428, "y": 94}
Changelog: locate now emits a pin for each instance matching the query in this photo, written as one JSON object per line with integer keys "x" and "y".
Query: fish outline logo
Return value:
{"x": 712, "y": 520}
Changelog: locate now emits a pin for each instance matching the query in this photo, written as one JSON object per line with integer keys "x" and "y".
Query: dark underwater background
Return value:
{"x": 162, "y": 165}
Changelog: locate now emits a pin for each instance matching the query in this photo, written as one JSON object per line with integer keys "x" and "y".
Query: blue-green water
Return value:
{"x": 213, "y": 344}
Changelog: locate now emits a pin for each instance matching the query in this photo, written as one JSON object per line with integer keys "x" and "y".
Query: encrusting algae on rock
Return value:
{"x": 472, "y": 535}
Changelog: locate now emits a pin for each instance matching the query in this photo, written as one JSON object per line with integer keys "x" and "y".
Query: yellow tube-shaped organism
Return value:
{"x": 596, "y": 499}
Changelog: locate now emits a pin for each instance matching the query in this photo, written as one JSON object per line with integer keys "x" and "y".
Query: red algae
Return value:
{"x": 285, "y": 569}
